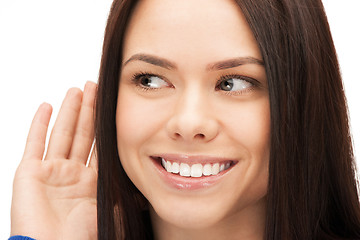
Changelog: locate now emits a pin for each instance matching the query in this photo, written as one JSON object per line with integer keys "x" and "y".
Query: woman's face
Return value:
{"x": 193, "y": 94}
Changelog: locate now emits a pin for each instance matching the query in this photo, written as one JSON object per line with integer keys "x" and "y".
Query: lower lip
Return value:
{"x": 188, "y": 183}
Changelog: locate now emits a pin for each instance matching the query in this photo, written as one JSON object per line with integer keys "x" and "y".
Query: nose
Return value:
{"x": 193, "y": 119}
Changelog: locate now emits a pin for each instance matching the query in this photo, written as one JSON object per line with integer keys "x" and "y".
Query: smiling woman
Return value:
{"x": 204, "y": 108}
{"x": 213, "y": 120}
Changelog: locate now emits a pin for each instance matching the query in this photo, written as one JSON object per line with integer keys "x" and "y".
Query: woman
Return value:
{"x": 214, "y": 120}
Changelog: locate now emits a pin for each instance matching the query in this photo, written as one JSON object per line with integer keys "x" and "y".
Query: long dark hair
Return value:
{"x": 312, "y": 191}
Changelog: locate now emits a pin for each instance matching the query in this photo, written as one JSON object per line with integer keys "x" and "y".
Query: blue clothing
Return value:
{"x": 17, "y": 237}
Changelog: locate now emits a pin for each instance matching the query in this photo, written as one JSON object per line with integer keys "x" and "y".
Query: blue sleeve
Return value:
{"x": 18, "y": 237}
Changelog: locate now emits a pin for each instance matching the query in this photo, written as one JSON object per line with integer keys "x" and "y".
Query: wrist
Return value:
{"x": 19, "y": 237}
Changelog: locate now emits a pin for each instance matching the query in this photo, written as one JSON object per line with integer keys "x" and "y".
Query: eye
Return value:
{"x": 149, "y": 81}
{"x": 234, "y": 83}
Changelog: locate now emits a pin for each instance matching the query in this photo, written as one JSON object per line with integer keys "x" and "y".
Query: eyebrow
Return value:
{"x": 154, "y": 60}
{"x": 233, "y": 62}
{"x": 164, "y": 63}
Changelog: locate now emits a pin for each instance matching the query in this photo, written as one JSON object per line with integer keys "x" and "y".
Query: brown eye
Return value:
{"x": 226, "y": 85}
{"x": 234, "y": 84}
{"x": 151, "y": 81}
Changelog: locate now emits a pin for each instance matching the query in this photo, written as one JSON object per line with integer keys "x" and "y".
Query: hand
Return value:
{"x": 56, "y": 198}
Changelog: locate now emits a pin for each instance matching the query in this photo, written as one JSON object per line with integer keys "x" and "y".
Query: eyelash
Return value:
{"x": 137, "y": 77}
{"x": 250, "y": 80}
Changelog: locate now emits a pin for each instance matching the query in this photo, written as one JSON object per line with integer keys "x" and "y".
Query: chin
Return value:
{"x": 190, "y": 213}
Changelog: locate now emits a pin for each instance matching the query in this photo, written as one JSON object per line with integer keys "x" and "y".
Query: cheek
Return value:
{"x": 250, "y": 131}
{"x": 137, "y": 119}
{"x": 129, "y": 120}
{"x": 257, "y": 132}
{"x": 249, "y": 125}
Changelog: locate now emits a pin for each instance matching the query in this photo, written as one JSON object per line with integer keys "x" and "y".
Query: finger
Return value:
{"x": 35, "y": 143}
{"x": 62, "y": 134}
{"x": 84, "y": 133}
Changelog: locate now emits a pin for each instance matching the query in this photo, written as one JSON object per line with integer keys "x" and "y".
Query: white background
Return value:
{"x": 48, "y": 46}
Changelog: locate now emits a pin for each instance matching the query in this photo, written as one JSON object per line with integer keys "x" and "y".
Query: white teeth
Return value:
{"x": 185, "y": 170}
{"x": 196, "y": 170}
{"x": 175, "y": 168}
{"x": 207, "y": 169}
{"x": 168, "y": 166}
{"x": 215, "y": 169}
{"x": 222, "y": 167}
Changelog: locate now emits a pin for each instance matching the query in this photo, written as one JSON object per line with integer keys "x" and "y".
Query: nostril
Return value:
{"x": 200, "y": 135}
{"x": 197, "y": 136}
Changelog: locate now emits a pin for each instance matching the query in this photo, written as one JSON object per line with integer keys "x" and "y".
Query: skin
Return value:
{"x": 184, "y": 112}
{"x": 56, "y": 198}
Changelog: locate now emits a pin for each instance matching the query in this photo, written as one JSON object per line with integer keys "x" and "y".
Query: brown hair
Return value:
{"x": 312, "y": 191}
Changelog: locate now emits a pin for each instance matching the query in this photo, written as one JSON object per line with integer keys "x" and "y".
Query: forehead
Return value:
{"x": 189, "y": 28}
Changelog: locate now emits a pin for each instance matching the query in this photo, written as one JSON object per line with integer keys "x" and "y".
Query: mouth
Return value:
{"x": 192, "y": 172}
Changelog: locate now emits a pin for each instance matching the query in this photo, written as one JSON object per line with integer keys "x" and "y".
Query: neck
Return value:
{"x": 246, "y": 224}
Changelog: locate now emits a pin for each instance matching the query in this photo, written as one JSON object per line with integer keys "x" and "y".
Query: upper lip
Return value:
{"x": 193, "y": 159}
